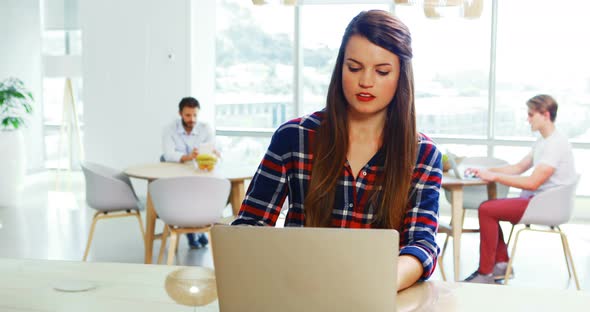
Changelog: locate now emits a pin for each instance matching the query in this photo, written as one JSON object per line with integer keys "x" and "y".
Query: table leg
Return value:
{"x": 457, "y": 218}
{"x": 236, "y": 195}
{"x": 492, "y": 190}
{"x": 150, "y": 220}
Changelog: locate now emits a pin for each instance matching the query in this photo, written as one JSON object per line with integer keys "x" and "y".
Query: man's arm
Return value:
{"x": 519, "y": 168}
{"x": 541, "y": 174}
{"x": 169, "y": 147}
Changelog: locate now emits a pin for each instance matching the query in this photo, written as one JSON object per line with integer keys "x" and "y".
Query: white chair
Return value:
{"x": 473, "y": 196}
{"x": 110, "y": 193}
{"x": 188, "y": 205}
{"x": 549, "y": 208}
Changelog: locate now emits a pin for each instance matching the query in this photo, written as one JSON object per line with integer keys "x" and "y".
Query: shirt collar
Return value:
{"x": 180, "y": 128}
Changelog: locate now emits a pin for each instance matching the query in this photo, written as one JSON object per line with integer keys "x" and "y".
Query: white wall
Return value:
{"x": 20, "y": 56}
{"x": 136, "y": 68}
{"x": 203, "y": 34}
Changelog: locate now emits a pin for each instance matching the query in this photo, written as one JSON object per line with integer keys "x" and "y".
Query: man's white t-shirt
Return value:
{"x": 176, "y": 142}
{"x": 555, "y": 151}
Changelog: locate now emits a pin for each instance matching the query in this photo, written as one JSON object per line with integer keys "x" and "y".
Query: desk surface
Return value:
{"x": 27, "y": 285}
{"x": 155, "y": 171}
{"x": 451, "y": 180}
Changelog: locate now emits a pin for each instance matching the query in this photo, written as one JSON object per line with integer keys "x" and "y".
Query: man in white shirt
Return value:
{"x": 181, "y": 142}
{"x": 182, "y": 138}
{"x": 553, "y": 162}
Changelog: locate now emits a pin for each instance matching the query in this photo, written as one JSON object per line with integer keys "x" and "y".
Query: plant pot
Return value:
{"x": 12, "y": 167}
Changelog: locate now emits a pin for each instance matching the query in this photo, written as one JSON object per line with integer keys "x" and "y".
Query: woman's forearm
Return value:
{"x": 409, "y": 270}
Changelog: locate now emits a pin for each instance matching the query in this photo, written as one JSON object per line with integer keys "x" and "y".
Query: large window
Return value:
{"x": 451, "y": 66}
{"x": 254, "y": 75}
{"x": 472, "y": 74}
{"x": 534, "y": 56}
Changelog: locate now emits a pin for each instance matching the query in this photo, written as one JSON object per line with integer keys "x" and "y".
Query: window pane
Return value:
{"x": 62, "y": 42}
{"x": 580, "y": 155}
{"x": 464, "y": 150}
{"x": 254, "y": 64}
{"x": 242, "y": 149}
{"x": 451, "y": 66}
{"x": 512, "y": 154}
{"x": 533, "y": 57}
{"x": 54, "y": 42}
{"x": 322, "y": 27}
{"x": 53, "y": 106}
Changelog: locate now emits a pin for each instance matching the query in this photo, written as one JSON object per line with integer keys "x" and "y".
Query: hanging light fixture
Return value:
{"x": 435, "y": 9}
{"x": 285, "y": 2}
{"x": 431, "y": 12}
{"x": 405, "y": 2}
{"x": 472, "y": 9}
{"x": 442, "y": 3}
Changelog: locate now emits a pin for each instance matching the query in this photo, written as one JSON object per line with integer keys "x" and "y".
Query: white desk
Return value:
{"x": 27, "y": 285}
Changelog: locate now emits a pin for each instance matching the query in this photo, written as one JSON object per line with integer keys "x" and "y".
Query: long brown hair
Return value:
{"x": 399, "y": 133}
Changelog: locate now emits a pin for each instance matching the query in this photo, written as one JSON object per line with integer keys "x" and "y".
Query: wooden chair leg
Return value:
{"x": 141, "y": 228}
{"x": 565, "y": 254}
{"x": 90, "y": 235}
{"x": 512, "y": 255}
{"x": 440, "y": 258}
{"x": 210, "y": 239}
{"x": 569, "y": 254}
{"x": 172, "y": 248}
{"x": 510, "y": 236}
{"x": 163, "y": 243}
{"x": 442, "y": 269}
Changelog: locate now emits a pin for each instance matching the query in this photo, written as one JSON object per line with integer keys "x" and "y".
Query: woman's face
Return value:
{"x": 369, "y": 76}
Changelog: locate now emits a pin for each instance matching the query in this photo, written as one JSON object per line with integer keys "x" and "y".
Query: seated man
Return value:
{"x": 181, "y": 142}
{"x": 553, "y": 163}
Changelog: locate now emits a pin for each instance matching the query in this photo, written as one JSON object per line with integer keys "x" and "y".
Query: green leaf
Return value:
{"x": 28, "y": 107}
{"x": 15, "y": 100}
{"x": 15, "y": 123}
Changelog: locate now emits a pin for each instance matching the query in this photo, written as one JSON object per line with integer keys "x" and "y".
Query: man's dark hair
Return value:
{"x": 188, "y": 102}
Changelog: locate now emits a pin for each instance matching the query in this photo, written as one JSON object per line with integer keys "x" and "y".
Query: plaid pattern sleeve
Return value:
{"x": 268, "y": 188}
{"x": 418, "y": 236}
{"x": 284, "y": 170}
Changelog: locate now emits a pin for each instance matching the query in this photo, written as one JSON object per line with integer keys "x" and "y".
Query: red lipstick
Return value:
{"x": 365, "y": 97}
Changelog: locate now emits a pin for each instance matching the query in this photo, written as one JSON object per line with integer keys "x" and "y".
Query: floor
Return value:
{"x": 52, "y": 222}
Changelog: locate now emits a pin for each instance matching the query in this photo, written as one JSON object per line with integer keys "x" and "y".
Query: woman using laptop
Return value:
{"x": 359, "y": 162}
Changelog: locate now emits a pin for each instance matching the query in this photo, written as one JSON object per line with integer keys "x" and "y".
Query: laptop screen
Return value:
{"x": 305, "y": 269}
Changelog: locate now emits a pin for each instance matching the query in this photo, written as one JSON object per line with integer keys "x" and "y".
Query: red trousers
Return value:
{"x": 492, "y": 248}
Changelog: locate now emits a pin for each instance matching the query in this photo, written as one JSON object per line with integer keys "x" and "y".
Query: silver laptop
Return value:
{"x": 460, "y": 174}
{"x": 305, "y": 269}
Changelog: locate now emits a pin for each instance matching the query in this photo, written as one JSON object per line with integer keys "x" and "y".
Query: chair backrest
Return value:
{"x": 474, "y": 195}
{"x": 108, "y": 189}
{"x": 551, "y": 207}
{"x": 190, "y": 201}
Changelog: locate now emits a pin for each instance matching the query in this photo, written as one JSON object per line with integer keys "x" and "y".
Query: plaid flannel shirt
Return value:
{"x": 286, "y": 168}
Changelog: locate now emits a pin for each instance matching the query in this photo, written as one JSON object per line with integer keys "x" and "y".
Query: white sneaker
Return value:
{"x": 500, "y": 271}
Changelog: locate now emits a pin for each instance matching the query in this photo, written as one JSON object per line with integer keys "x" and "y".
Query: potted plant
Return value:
{"x": 15, "y": 106}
